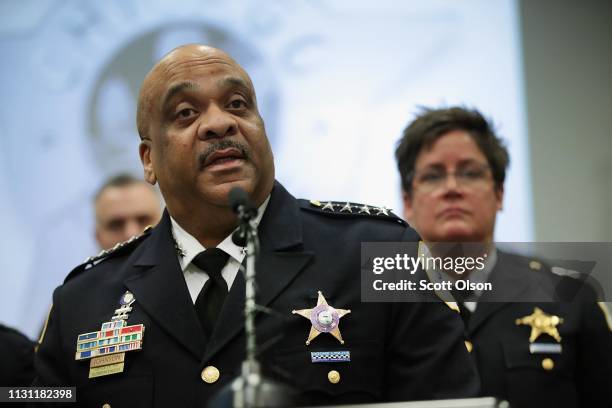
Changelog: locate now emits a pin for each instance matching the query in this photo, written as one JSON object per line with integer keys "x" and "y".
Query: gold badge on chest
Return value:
{"x": 541, "y": 323}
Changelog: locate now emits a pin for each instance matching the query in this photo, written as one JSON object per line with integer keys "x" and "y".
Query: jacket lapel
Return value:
{"x": 161, "y": 290}
{"x": 507, "y": 283}
{"x": 280, "y": 260}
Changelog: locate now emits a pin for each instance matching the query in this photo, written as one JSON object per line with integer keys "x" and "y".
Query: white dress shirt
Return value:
{"x": 475, "y": 276}
{"x": 189, "y": 247}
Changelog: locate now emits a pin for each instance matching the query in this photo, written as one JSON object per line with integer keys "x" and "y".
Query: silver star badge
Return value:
{"x": 382, "y": 210}
{"x": 329, "y": 206}
{"x": 346, "y": 208}
{"x": 364, "y": 209}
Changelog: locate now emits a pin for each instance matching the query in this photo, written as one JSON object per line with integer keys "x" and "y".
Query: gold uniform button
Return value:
{"x": 333, "y": 376}
{"x": 535, "y": 265}
{"x": 469, "y": 346}
{"x": 548, "y": 364}
{"x": 210, "y": 374}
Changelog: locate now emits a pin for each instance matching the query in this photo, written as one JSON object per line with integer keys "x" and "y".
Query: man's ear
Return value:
{"x": 147, "y": 164}
{"x": 499, "y": 197}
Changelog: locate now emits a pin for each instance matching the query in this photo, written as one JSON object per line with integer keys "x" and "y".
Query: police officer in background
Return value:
{"x": 547, "y": 354}
{"x": 124, "y": 206}
{"x": 159, "y": 320}
{"x": 16, "y": 358}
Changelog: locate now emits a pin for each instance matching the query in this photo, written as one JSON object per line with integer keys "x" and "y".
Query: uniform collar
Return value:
{"x": 475, "y": 276}
{"x": 478, "y": 275}
{"x": 188, "y": 246}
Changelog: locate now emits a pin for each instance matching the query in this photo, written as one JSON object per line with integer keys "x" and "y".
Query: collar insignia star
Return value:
{"x": 328, "y": 206}
{"x": 541, "y": 323}
{"x": 364, "y": 209}
{"x": 324, "y": 319}
{"x": 346, "y": 208}
{"x": 382, "y": 210}
{"x": 178, "y": 248}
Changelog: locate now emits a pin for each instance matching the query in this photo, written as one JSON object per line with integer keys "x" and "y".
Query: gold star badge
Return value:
{"x": 541, "y": 323}
{"x": 324, "y": 319}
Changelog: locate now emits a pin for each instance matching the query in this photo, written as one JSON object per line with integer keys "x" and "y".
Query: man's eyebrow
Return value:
{"x": 234, "y": 82}
{"x": 176, "y": 89}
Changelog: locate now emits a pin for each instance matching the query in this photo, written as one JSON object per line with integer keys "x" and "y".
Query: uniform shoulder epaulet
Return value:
{"x": 118, "y": 249}
{"x": 569, "y": 269}
{"x": 348, "y": 209}
{"x": 570, "y": 278}
{"x": 558, "y": 270}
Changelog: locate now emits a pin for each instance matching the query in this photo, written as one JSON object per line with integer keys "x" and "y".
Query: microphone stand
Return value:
{"x": 251, "y": 389}
{"x": 250, "y": 381}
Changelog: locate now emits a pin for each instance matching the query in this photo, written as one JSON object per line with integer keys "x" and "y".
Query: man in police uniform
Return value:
{"x": 201, "y": 136}
{"x": 16, "y": 358}
{"x": 533, "y": 354}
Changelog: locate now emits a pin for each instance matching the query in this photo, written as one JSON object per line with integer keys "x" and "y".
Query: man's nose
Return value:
{"x": 132, "y": 227}
{"x": 216, "y": 123}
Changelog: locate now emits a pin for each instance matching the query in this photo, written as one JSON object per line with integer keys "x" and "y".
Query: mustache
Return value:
{"x": 222, "y": 145}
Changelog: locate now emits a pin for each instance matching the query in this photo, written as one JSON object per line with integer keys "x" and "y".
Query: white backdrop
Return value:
{"x": 336, "y": 83}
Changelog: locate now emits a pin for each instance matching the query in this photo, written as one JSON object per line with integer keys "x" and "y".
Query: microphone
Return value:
{"x": 241, "y": 204}
{"x": 239, "y": 236}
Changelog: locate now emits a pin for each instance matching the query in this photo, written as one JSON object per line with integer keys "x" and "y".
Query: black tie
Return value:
{"x": 465, "y": 313}
{"x": 460, "y": 297}
{"x": 210, "y": 300}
